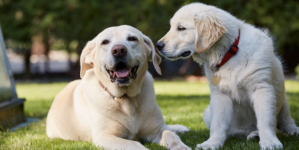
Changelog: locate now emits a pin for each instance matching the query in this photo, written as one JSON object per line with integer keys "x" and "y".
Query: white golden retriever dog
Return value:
{"x": 249, "y": 95}
{"x": 114, "y": 103}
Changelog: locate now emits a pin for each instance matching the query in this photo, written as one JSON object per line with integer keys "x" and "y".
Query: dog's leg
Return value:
{"x": 112, "y": 142}
{"x": 207, "y": 117}
{"x": 285, "y": 123}
{"x": 178, "y": 128}
{"x": 264, "y": 103}
{"x": 253, "y": 134}
{"x": 221, "y": 108}
{"x": 169, "y": 139}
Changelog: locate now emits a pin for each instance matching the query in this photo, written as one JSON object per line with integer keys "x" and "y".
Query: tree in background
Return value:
{"x": 75, "y": 22}
{"x": 21, "y": 21}
{"x": 15, "y": 26}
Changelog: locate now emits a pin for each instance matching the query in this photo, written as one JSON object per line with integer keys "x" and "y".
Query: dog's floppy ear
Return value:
{"x": 86, "y": 58}
{"x": 209, "y": 29}
{"x": 154, "y": 57}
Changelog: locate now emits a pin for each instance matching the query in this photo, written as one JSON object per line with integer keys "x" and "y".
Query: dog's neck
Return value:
{"x": 215, "y": 53}
{"x": 106, "y": 89}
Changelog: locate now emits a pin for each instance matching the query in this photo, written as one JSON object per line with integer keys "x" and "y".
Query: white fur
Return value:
{"x": 251, "y": 95}
{"x": 85, "y": 111}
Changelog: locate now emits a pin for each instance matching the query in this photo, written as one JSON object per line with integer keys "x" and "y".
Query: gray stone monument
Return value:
{"x": 11, "y": 107}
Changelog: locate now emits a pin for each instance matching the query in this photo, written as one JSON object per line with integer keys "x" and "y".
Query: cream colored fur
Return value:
{"x": 83, "y": 110}
{"x": 250, "y": 99}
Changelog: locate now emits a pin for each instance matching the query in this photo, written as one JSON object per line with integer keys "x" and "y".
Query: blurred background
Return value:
{"x": 44, "y": 39}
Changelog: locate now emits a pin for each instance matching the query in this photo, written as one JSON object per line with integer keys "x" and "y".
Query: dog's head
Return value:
{"x": 194, "y": 28}
{"x": 119, "y": 54}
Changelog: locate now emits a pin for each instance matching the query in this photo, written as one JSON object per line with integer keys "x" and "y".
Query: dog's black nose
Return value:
{"x": 160, "y": 45}
{"x": 119, "y": 51}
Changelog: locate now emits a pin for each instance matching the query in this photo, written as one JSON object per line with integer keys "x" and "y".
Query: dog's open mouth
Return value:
{"x": 122, "y": 73}
{"x": 183, "y": 55}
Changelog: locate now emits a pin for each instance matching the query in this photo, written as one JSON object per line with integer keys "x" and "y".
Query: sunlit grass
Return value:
{"x": 181, "y": 103}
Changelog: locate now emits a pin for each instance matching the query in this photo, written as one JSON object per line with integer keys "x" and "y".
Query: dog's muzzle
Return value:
{"x": 122, "y": 73}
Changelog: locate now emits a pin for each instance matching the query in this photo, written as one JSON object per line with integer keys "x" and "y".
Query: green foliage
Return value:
{"x": 180, "y": 103}
{"x": 297, "y": 71}
{"x": 74, "y": 20}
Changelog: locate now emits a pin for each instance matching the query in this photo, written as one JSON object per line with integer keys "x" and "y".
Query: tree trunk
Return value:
{"x": 27, "y": 55}
{"x": 47, "y": 51}
{"x": 76, "y": 67}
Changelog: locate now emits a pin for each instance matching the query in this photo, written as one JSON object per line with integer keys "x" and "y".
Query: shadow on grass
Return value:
{"x": 37, "y": 109}
{"x": 293, "y": 96}
{"x": 293, "y": 100}
{"x": 182, "y": 103}
{"x": 162, "y": 97}
{"x": 40, "y": 108}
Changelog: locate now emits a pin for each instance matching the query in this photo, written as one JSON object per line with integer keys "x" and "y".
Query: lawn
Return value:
{"x": 181, "y": 103}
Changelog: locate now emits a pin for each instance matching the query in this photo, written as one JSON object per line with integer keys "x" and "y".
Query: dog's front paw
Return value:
{"x": 178, "y": 128}
{"x": 253, "y": 134}
{"x": 179, "y": 146}
{"x": 270, "y": 143}
{"x": 209, "y": 145}
{"x": 294, "y": 131}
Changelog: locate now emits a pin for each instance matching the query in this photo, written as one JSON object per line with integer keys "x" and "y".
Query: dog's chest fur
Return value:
{"x": 230, "y": 84}
{"x": 123, "y": 110}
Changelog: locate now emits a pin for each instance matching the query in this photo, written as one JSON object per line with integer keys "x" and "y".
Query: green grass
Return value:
{"x": 180, "y": 102}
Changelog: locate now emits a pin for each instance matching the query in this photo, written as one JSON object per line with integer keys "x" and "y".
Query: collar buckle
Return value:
{"x": 234, "y": 49}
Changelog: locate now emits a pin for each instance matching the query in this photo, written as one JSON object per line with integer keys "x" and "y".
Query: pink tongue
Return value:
{"x": 122, "y": 73}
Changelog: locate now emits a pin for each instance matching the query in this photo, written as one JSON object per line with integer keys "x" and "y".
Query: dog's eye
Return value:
{"x": 132, "y": 38}
{"x": 105, "y": 42}
{"x": 181, "y": 28}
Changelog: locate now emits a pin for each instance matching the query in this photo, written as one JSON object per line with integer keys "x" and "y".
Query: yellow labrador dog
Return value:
{"x": 246, "y": 77}
{"x": 114, "y": 103}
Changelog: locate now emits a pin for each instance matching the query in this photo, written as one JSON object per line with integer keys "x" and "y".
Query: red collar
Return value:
{"x": 232, "y": 51}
